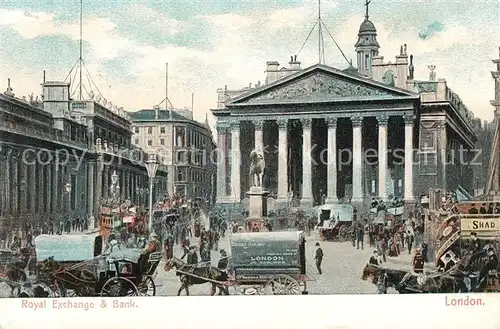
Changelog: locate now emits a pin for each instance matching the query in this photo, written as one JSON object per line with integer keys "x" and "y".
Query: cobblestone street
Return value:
{"x": 342, "y": 269}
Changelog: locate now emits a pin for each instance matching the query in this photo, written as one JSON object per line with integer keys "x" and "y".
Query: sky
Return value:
{"x": 212, "y": 43}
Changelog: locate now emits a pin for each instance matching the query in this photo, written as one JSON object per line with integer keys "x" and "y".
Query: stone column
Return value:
{"x": 32, "y": 188}
{"x": 357, "y": 160}
{"x": 259, "y": 134}
{"x": 105, "y": 185}
{"x": 408, "y": 180}
{"x": 24, "y": 186}
{"x": 15, "y": 185}
{"x": 332, "y": 161}
{"x": 236, "y": 161}
{"x": 8, "y": 185}
{"x": 307, "y": 198}
{"x": 282, "y": 160}
{"x": 99, "y": 166}
{"x": 90, "y": 187}
{"x": 48, "y": 184}
{"x": 221, "y": 162}
{"x": 56, "y": 189}
{"x": 382, "y": 156}
{"x": 41, "y": 188}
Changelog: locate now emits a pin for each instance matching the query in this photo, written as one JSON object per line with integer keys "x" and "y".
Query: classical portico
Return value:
{"x": 321, "y": 130}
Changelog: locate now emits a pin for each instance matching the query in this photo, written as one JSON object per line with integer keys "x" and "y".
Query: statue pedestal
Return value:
{"x": 257, "y": 203}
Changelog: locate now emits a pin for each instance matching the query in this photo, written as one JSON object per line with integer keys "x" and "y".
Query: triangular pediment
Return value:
{"x": 319, "y": 83}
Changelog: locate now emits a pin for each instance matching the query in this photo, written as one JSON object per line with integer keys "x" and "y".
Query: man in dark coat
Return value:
{"x": 491, "y": 208}
{"x": 223, "y": 261}
{"x": 374, "y": 258}
{"x": 490, "y": 265}
{"x": 476, "y": 243}
{"x": 483, "y": 210}
{"x": 473, "y": 210}
{"x": 192, "y": 256}
{"x": 360, "y": 235}
{"x": 318, "y": 258}
{"x": 169, "y": 244}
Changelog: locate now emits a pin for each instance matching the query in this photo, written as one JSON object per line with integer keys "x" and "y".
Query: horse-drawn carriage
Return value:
{"x": 261, "y": 263}
{"x": 72, "y": 266}
{"x": 335, "y": 221}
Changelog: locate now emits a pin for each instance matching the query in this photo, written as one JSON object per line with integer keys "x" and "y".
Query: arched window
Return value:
{"x": 389, "y": 78}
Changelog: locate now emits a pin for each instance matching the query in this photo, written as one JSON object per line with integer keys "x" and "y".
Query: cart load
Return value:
{"x": 73, "y": 266}
{"x": 334, "y": 221}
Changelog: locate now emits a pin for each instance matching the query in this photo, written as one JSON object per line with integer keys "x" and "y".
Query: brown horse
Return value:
{"x": 80, "y": 280}
{"x": 211, "y": 274}
{"x": 406, "y": 282}
{"x": 15, "y": 269}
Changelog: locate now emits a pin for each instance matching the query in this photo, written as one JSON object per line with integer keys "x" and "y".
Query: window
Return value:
{"x": 136, "y": 129}
{"x": 162, "y": 141}
{"x": 181, "y": 157}
{"x": 389, "y": 78}
{"x": 150, "y": 142}
{"x": 180, "y": 136}
{"x": 162, "y": 130}
{"x": 181, "y": 175}
{"x": 150, "y": 130}
{"x": 136, "y": 141}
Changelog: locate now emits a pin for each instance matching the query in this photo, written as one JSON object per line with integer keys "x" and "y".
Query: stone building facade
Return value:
{"x": 185, "y": 147}
{"x": 492, "y": 191}
{"x": 350, "y": 135}
{"x": 57, "y": 156}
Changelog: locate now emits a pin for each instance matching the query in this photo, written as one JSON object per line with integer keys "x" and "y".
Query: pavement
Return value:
{"x": 342, "y": 268}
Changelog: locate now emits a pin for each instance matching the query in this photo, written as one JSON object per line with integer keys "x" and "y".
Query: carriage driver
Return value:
{"x": 153, "y": 245}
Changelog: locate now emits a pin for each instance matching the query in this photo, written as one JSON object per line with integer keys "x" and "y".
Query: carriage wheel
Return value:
{"x": 283, "y": 285}
{"x": 119, "y": 287}
{"x": 147, "y": 287}
{"x": 343, "y": 233}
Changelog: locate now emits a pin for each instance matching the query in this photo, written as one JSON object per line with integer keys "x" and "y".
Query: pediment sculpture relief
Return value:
{"x": 319, "y": 87}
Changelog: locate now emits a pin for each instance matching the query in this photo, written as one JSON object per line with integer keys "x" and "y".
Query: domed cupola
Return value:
{"x": 367, "y": 46}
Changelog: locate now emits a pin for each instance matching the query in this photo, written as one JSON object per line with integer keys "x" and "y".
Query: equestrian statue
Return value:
{"x": 257, "y": 166}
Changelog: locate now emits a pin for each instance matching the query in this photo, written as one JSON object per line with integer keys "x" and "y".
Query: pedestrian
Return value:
{"x": 360, "y": 237}
{"x": 418, "y": 262}
{"x": 318, "y": 258}
{"x": 382, "y": 249}
{"x": 353, "y": 235}
{"x": 374, "y": 259}
{"x": 476, "y": 243}
{"x": 409, "y": 240}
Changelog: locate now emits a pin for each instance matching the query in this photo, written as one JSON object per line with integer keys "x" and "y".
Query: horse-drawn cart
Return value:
{"x": 67, "y": 265}
{"x": 272, "y": 262}
{"x": 261, "y": 263}
{"x": 334, "y": 221}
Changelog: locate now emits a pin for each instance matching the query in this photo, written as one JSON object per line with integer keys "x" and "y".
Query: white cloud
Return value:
{"x": 153, "y": 18}
{"x": 242, "y": 44}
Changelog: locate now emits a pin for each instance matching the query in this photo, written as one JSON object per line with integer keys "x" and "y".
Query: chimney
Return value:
{"x": 294, "y": 65}
{"x": 411, "y": 68}
{"x": 9, "y": 92}
{"x": 43, "y": 76}
{"x": 272, "y": 71}
{"x": 157, "y": 111}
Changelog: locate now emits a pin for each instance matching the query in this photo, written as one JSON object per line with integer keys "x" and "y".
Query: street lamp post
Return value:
{"x": 151, "y": 167}
{"x": 115, "y": 188}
